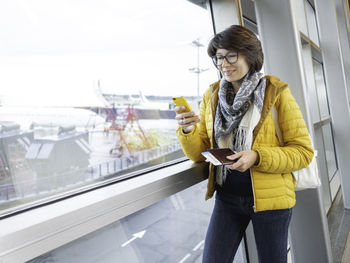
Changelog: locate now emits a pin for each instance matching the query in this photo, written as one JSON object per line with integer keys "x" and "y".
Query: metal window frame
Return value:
{"x": 113, "y": 178}
{"x": 35, "y": 232}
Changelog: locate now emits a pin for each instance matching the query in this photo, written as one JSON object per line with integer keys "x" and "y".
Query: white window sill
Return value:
{"x": 35, "y": 232}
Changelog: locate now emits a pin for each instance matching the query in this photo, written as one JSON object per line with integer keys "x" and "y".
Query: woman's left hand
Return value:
{"x": 244, "y": 160}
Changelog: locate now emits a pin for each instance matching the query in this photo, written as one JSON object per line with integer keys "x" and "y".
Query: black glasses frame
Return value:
{"x": 224, "y": 57}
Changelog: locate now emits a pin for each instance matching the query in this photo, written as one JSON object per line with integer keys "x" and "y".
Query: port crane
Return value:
{"x": 123, "y": 121}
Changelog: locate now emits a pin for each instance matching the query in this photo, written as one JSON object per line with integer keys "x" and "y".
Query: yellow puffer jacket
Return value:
{"x": 272, "y": 181}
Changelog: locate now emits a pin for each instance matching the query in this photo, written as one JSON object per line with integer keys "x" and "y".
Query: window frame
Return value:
{"x": 30, "y": 234}
{"x": 114, "y": 178}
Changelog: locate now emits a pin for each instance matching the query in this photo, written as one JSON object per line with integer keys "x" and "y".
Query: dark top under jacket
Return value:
{"x": 237, "y": 183}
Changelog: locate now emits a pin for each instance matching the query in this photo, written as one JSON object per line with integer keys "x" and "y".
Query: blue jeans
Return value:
{"x": 229, "y": 221}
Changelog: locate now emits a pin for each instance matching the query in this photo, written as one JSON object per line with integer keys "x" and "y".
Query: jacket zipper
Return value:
{"x": 251, "y": 178}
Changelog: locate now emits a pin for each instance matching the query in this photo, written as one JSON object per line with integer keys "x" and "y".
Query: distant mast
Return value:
{"x": 197, "y": 70}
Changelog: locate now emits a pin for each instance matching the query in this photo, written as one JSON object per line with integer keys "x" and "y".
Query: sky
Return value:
{"x": 52, "y": 52}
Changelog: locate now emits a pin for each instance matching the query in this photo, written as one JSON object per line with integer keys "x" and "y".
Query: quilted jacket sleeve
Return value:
{"x": 197, "y": 141}
{"x": 297, "y": 152}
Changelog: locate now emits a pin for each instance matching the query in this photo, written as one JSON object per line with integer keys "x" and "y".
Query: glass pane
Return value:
{"x": 311, "y": 21}
{"x": 321, "y": 89}
{"x": 87, "y": 86}
{"x": 322, "y": 167}
{"x": 329, "y": 148}
{"x": 310, "y": 80}
{"x": 301, "y": 18}
{"x": 172, "y": 230}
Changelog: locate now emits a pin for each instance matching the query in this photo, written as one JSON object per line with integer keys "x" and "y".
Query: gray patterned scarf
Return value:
{"x": 231, "y": 109}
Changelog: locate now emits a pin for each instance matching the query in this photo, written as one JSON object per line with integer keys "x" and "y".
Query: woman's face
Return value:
{"x": 232, "y": 72}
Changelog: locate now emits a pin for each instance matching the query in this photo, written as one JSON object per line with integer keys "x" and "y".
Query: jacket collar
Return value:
{"x": 274, "y": 87}
{"x": 214, "y": 97}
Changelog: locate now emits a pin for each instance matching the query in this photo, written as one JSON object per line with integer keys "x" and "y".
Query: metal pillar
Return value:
{"x": 343, "y": 20}
{"x": 224, "y": 13}
{"x": 335, "y": 76}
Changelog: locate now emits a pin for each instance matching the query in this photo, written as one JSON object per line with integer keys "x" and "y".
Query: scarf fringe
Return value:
{"x": 243, "y": 139}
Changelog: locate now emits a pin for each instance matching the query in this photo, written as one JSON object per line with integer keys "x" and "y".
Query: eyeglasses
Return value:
{"x": 231, "y": 58}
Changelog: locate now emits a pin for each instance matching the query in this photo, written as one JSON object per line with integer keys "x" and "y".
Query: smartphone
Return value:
{"x": 181, "y": 101}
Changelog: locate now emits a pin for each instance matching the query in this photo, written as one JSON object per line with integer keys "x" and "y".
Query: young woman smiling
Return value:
{"x": 236, "y": 113}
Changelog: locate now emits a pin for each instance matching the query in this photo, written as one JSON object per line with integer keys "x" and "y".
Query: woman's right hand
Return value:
{"x": 186, "y": 120}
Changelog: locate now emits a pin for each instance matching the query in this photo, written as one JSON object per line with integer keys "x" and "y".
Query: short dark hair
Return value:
{"x": 242, "y": 40}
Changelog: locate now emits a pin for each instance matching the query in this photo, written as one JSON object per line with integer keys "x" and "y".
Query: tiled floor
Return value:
{"x": 339, "y": 226}
{"x": 346, "y": 255}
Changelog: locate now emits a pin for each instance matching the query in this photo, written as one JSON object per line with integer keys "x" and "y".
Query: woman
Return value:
{"x": 236, "y": 113}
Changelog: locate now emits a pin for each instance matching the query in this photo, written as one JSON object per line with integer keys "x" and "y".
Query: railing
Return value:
{"x": 58, "y": 182}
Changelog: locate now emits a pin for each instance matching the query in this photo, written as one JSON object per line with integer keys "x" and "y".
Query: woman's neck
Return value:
{"x": 236, "y": 85}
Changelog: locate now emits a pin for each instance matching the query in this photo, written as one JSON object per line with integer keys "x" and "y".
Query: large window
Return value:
{"x": 86, "y": 90}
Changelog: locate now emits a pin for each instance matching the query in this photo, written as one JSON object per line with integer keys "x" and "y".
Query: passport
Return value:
{"x": 218, "y": 156}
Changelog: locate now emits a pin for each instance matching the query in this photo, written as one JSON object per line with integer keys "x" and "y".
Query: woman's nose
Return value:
{"x": 225, "y": 63}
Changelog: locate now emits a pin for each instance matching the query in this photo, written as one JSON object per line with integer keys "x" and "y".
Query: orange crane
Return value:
{"x": 125, "y": 122}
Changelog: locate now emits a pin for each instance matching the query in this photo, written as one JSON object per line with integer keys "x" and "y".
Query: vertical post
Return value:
{"x": 336, "y": 88}
{"x": 343, "y": 22}
{"x": 309, "y": 236}
{"x": 225, "y": 13}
